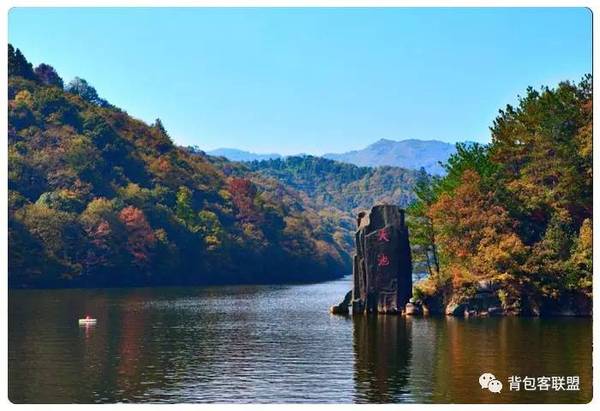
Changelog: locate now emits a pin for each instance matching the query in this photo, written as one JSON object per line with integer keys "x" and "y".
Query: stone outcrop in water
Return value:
{"x": 344, "y": 306}
{"x": 382, "y": 266}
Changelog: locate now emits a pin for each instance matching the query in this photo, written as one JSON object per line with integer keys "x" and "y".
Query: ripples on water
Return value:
{"x": 272, "y": 344}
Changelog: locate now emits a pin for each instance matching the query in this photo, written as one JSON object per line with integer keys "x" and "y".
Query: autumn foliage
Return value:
{"x": 140, "y": 237}
{"x": 476, "y": 235}
{"x": 98, "y": 198}
{"x": 517, "y": 212}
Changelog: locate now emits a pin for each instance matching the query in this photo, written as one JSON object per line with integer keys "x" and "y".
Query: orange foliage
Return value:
{"x": 476, "y": 235}
{"x": 140, "y": 237}
{"x": 243, "y": 192}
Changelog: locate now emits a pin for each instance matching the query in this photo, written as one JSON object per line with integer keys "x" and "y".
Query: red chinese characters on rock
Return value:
{"x": 383, "y": 235}
{"x": 382, "y": 265}
{"x": 383, "y": 260}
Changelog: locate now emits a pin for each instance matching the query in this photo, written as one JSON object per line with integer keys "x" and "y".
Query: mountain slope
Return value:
{"x": 412, "y": 154}
{"x": 346, "y": 187}
{"x": 98, "y": 198}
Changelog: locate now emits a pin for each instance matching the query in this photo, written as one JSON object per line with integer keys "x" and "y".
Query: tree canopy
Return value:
{"x": 519, "y": 210}
{"x": 97, "y": 198}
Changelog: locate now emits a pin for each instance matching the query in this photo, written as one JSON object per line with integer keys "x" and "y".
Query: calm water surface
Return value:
{"x": 273, "y": 344}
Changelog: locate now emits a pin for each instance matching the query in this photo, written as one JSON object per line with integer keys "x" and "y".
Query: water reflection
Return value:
{"x": 382, "y": 348}
{"x": 273, "y": 344}
{"x": 439, "y": 360}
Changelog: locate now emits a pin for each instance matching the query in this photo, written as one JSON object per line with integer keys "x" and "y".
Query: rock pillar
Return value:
{"x": 382, "y": 266}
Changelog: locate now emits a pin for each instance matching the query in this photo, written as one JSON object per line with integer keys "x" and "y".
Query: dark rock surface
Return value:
{"x": 343, "y": 307}
{"x": 382, "y": 265}
{"x": 485, "y": 302}
{"x": 456, "y": 309}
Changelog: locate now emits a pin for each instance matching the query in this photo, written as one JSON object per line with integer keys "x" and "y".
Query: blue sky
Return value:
{"x": 310, "y": 80}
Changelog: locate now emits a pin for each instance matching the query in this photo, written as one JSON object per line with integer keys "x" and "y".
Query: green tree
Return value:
{"x": 84, "y": 90}
{"x": 422, "y": 233}
{"x": 580, "y": 267}
{"x": 59, "y": 233}
{"x": 542, "y": 148}
{"x": 18, "y": 64}
{"x": 210, "y": 228}
{"x": 183, "y": 208}
{"x": 48, "y": 76}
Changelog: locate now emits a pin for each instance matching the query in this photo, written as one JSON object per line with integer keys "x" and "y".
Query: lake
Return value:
{"x": 274, "y": 343}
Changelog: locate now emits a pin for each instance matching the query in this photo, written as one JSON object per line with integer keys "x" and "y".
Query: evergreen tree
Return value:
{"x": 48, "y": 76}
{"x": 84, "y": 90}
{"x": 18, "y": 64}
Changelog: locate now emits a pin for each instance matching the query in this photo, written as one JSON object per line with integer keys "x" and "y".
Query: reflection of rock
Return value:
{"x": 382, "y": 351}
{"x": 569, "y": 304}
{"x": 342, "y": 308}
{"x": 382, "y": 266}
{"x": 493, "y": 311}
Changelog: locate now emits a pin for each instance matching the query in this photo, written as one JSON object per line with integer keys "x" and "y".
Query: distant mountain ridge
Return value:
{"x": 233, "y": 154}
{"x": 411, "y": 154}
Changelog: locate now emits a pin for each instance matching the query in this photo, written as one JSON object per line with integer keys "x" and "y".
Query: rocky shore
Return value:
{"x": 382, "y": 281}
{"x": 485, "y": 300}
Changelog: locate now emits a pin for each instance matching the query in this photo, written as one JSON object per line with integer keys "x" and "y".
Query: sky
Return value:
{"x": 310, "y": 80}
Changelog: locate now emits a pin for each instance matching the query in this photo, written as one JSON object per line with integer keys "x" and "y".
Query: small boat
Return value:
{"x": 87, "y": 320}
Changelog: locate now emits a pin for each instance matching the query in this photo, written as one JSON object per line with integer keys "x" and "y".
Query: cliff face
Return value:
{"x": 382, "y": 265}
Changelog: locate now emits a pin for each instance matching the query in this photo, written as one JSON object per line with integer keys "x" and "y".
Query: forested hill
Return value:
{"x": 344, "y": 186}
{"x": 515, "y": 216}
{"x": 98, "y": 198}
